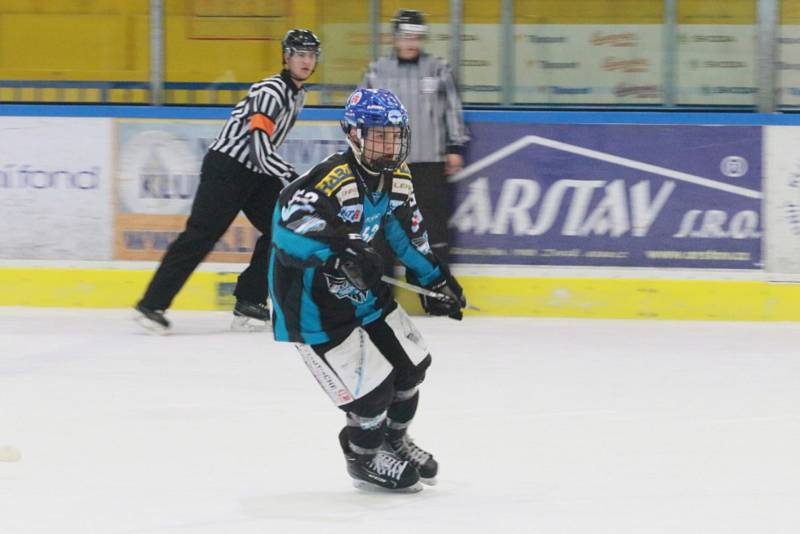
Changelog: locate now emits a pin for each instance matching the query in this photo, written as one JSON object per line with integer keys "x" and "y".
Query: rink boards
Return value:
{"x": 629, "y": 215}
{"x": 586, "y": 294}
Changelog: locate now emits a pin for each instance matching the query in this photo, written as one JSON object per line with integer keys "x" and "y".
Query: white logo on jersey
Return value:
{"x": 347, "y": 192}
{"x": 401, "y": 185}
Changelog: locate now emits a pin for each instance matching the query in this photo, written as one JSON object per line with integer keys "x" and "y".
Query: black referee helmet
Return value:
{"x": 300, "y": 39}
{"x": 409, "y": 21}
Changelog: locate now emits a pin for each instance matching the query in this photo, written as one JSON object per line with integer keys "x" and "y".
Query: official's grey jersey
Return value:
{"x": 259, "y": 124}
{"x": 427, "y": 90}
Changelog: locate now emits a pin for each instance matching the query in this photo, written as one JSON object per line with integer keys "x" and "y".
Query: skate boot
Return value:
{"x": 405, "y": 448}
{"x": 152, "y": 320}
{"x": 383, "y": 471}
{"x": 250, "y": 317}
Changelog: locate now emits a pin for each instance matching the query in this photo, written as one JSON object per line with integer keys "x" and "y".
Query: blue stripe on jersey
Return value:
{"x": 373, "y": 214}
{"x": 372, "y": 317}
{"x": 279, "y": 325}
{"x": 367, "y": 307}
{"x": 310, "y": 319}
{"x": 410, "y": 256}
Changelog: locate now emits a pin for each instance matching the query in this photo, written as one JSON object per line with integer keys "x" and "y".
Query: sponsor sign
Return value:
{"x": 55, "y": 188}
{"x": 158, "y": 172}
{"x": 610, "y": 195}
{"x": 782, "y": 186}
{"x": 146, "y": 237}
{"x": 715, "y": 64}
{"x": 788, "y": 65}
{"x": 588, "y": 63}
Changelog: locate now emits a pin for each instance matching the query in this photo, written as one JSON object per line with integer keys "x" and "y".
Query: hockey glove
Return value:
{"x": 454, "y": 302}
{"x": 358, "y": 262}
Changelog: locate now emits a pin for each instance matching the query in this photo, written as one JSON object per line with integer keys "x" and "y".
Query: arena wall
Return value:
{"x": 620, "y": 215}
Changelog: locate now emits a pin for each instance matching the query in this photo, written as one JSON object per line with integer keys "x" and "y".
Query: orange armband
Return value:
{"x": 262, "y": 122}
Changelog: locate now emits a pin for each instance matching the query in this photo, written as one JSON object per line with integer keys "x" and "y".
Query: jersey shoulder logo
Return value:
{"x": 403, "y": 171}
{"x": 402, "y": 186}
{"x": 347, "y": 192}
{"x": 302, "y": 200}
{"x": 336, "y": 178}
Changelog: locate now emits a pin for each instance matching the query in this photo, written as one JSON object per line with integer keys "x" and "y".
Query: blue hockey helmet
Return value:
{"x": 382, "y": 111}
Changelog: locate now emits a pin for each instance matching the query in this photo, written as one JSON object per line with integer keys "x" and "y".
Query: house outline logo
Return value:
{"x": 529, "y": 140}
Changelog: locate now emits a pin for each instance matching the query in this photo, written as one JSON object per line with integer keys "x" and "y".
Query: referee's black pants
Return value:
{"x": 226, "y": 187}
{"x": 433, "y": 197}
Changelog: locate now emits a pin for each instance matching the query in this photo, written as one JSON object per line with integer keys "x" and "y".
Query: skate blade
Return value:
{"x": 428, "y": 481}
{"x": 151, "y": 326}
{"x": 241, "y": 323}
{"x": 372, "y": 488}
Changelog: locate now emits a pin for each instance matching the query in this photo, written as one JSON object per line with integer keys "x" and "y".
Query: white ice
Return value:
{"x": 540, "y": 426}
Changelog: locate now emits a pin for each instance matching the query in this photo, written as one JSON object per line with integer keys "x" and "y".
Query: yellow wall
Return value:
{"x": 239, "y": 40}
{"x": 63, "y": 40}
{"x": 628, "y": 298}
{"x": 589, "y": 11}
{"x": 229, "y": 41}
{"x": 716, "y": 11}
{"x": 790, "y": 12}
{"x": 205, "y": 41}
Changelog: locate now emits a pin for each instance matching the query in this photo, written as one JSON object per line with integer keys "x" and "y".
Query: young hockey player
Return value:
{"x": 328, "y": 297}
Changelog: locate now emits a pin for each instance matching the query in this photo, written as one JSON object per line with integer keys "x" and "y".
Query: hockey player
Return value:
{"x": 328, "y": 297}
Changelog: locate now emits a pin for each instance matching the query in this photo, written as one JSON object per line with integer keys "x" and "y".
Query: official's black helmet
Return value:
{"x": 409, "y": 21}
{"x": 300, "y": 39}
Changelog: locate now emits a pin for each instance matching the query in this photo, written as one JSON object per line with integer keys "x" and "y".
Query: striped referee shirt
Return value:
{"x": 259, "y": 124}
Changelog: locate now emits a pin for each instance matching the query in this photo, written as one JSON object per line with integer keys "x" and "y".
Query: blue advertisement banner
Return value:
{"x": 609, "y": 195}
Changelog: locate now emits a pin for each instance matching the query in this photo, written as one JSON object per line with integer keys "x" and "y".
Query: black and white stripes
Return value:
{"x": 259, "y": 124}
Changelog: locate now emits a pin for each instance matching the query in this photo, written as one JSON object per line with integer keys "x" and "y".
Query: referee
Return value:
{"x": 425, "y": 85}
{"x": 242, "y": 171}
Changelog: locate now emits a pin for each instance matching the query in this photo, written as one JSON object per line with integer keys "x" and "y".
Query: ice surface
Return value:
{"x": 545, "y": 426}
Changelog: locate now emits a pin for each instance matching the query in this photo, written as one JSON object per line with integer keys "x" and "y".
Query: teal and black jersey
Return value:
{"x": 312, "y": 302}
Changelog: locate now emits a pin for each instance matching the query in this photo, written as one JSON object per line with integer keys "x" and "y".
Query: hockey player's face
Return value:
{"x": 301, "y": 64}
{"x": 408, "y": 45}
{"x": 382, "y": 145}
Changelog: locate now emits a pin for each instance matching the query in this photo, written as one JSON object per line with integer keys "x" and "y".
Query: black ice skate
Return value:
{"x": 250, "y": 317}
{"x": 152, "y": 320}
{"x": 405, "y": 448}
{"x": 382, "y": 472}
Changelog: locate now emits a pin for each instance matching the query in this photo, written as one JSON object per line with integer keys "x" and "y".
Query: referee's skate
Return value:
{"x": 250, "y": 317}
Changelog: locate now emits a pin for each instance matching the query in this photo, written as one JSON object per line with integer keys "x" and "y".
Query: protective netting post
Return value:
{"x": 156, "y": 52}
{"x": 767, "y": 29}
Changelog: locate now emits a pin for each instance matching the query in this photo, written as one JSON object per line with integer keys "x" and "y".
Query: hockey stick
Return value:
{"x": 422, "y": 291}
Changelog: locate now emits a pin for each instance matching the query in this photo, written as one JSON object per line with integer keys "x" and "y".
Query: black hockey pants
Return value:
{"x": 396, "y": 395}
